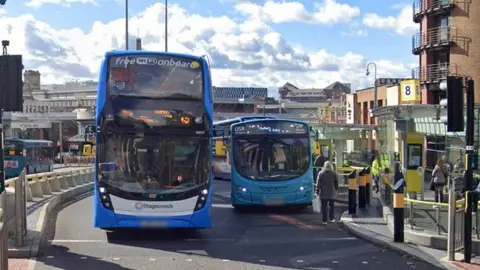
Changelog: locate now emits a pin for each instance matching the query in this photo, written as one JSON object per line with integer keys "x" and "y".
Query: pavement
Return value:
{"x": 370, "y": 225}
{"x": 259, "y": 239}
{"x": 34, "y": 225}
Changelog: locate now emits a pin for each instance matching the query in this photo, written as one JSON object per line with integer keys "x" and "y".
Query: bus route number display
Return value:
{"x": 270, "y": 128}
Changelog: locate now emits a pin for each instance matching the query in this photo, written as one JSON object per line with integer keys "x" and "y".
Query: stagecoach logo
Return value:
{"x": 157, "y": 62}
{"x": 141, "y": 205}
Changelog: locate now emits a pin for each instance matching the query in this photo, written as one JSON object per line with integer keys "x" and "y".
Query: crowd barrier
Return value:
{"x": 34, "y": 187}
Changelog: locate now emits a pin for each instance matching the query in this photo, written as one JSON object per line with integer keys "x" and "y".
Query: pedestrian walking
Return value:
{"x": 327, "y": 187}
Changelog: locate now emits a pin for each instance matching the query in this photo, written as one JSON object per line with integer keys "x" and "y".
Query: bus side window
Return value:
{"x": 47, "y": 153}
{"x": 31, "y": 154}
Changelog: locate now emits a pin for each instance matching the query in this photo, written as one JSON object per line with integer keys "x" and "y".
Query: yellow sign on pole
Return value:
{"x": 410, "y": 91}
{"x": 322, "y": 112}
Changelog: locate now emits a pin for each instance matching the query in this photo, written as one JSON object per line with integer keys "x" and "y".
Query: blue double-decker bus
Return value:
{"x": 153, "y": 159}
{"x": 271, "y": 163}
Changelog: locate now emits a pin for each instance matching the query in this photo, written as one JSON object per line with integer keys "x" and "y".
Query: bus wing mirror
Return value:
{"x": 218, "y": 133}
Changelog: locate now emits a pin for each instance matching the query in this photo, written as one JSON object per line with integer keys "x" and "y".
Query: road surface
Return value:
{"x": 256, "y": 240}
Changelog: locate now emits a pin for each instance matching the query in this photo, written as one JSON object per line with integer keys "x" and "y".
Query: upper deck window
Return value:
{"x": 155, "y": 76}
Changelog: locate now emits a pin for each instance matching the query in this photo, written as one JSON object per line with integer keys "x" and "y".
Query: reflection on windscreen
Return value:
{"x": 271, "y": 159}
{"x": 154, "y": 164}
{"x": 155, "y": 76}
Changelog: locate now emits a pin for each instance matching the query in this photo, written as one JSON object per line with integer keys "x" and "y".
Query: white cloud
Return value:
{"x": 66, "y": 3}
{"x": 250, "y": 53}
{"x": 402, "y": 24}
{"x": 326, "y": 12}
{"x": 354, "y": 30}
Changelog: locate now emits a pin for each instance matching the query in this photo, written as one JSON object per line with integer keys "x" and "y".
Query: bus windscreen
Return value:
{"x": 271, "y": 159}
{"x": 155, "y": 76}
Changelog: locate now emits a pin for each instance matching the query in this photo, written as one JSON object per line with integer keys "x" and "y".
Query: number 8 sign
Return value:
{"x": 409, "y": 91}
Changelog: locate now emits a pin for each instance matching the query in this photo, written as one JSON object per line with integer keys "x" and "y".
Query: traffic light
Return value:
{"x": 454, "y": 103}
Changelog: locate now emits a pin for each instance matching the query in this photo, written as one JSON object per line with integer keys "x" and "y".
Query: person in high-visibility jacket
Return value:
{"x": 377, "y": 169}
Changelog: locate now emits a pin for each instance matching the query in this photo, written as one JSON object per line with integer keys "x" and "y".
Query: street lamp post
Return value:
{"x": 126, "y": 24}
{"x": 375, "y": 101}
{"x": 166, "y": 25}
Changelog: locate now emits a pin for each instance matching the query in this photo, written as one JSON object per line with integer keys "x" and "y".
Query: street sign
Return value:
{"x": 410, "y": 91}
{"x": 322, "y": 112}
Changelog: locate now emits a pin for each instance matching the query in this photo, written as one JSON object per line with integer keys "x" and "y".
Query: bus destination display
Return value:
{"x": 158, "y": 117}
{"x": 270, "y": 128}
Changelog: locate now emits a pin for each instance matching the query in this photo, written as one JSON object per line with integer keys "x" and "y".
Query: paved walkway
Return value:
{"x": 370, "y": 225}
{"x": 16, "y": 254}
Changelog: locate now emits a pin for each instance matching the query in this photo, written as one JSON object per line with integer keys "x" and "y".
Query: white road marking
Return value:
{"x": 105, "y": 241}
{"x": 77, "y": 241}
{"x": 218, "y": 205}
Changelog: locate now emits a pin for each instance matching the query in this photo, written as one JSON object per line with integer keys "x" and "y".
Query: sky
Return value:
{"x": 257, "y": 43}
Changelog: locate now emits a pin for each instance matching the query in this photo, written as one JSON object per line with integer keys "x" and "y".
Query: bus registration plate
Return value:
{"x": 153, "y": 224}
{"x": 273, "y": 201}
{"x": 10, "y": 164}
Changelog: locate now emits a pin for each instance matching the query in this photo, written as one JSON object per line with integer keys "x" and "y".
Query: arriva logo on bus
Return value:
{"x": 157, "y": 62}
{"x": 141, "y": 205}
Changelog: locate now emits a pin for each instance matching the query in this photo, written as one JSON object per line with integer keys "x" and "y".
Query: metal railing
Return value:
{"x": 436, "y": 73}
{"x": 433, "y": 37}
{"x": 25, "y": 188}
{"x": 433, "y": 217}
{"x": 437, "y": 37}
{"x": 422, "y": 7}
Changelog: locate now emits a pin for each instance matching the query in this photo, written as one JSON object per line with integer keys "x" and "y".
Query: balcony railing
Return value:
{"x": 436, "y": 73}
{"x": 424, "y": 7}
{"x": 435, "y": 38}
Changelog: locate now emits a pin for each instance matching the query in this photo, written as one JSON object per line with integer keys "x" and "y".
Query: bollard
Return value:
{"x": 368, "y": 186}
{"x": 352, "y": 193}
{"x": 19, "y": 231}
{"x": 361, "y": 189}
{"x": 398, "y": 212}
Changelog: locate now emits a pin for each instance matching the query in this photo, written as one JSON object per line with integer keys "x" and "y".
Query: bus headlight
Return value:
{"x": 202, "y": 199}
{"x": 105, "y": 198}
{"x": 302, "y": 188}
{"x": 242, "y": 189}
